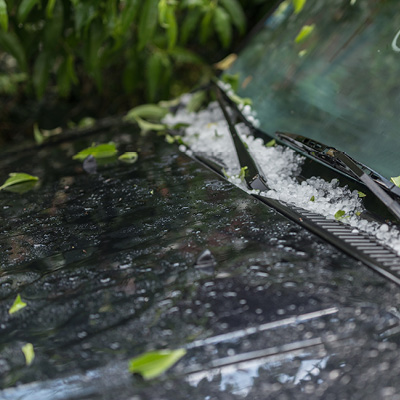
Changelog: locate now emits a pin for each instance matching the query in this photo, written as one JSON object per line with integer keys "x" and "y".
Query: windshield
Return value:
{"x": 330, "y": 71}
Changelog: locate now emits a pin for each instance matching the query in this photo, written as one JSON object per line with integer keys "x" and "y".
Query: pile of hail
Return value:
{"x": 207, "y": 133}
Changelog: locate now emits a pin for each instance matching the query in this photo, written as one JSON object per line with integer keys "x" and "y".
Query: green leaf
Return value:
{"x": 3, "y": 15}
{"x": 304, "y": 33}
{"x": 84, "y": 14}
{"x": 196, "y": 101}
{"x": 153, "y": 74}
{"x": 66, "y": 75}
{"x": 169, "y": 139}
{"x": 172, "y": 27}
{"x": 41, "y": 73}
{"x": 129, "y": 14}
{"x": 236, "y": 12}
{"x": 312, "y": 198}
{"x": 131, "y": 75}
{"x": 17, "y": 305}
{"x": 129, "y": 157}
{"x": 242, "y": 172}
{"x": 185, "y": 56}
{"x": 24, "y": 9}
{"x": 39, "y": 138}
{"x": 100, "y": 151}
{"x": 29, "y": 353}
{"x": 206, "y": 28}
{"x": 54, "y": 26}
{"x": 396, "y": 180}
{"x": 231, "y": 79}
{"x": 50, "y": 8}
{"x": 147, "y": 111}
{"x": 149, "y": 126}
{"x": 271, "y": 143}
{"x": 10, "y": 43}
{"x": 16, "y": 178}
{"x": 298, "y": 5}
{"x": 223, "y": 26}
{"x": 162, "y": 12}
{"x": 339, "y": 214}
{"x": 147, "y": 23}
{"x": 189, "y": 24}
{"x": 361, "y": 194}
{"x": 95, "y": 43}
{"x": 154, "y": 363}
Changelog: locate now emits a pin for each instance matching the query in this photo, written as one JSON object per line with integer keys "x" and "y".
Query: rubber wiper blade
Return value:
{"x": 253, "y": 175}
{"x": 341, "y": 161}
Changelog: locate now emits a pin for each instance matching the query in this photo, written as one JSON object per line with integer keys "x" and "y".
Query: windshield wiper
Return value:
{"x": 253, "y": 175}
{"x": 339, "y": 160}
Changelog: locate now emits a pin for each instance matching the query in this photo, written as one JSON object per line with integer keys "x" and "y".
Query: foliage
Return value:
{"x": 60, "y": 42}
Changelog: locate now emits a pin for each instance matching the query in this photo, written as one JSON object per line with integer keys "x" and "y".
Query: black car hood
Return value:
{"x": 108, "y": 265}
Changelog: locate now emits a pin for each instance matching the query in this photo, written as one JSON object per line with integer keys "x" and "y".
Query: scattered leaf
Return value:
{"x": 225, "y": 173}
{"x": 242, "y": 172}
{"x": 29, "y": 353}
{"x": 312, "y": 198}
{"x": 16, "y": 178}
{"x": 304, "y": 33}
{"x": 196, "y": 101}
{"x": 396, "y": 180}
{"x": 298, "y": 5}
{"x": 361, "y": 194}
{"x": 129, "y": 157}
{"x": 154, "y": 363}
{"x": 150, "y": 126}
{"x": 339, "y": 214}
{"x": 232, "y": 79}
{"x": 358, "y": 213}
{"x": 39, "y": 138}
{"x": 226, "y": 63}
{"x": 21, "y": 188}
{"x": 271, "y": 143}
{"x": 147, "y": 111}
{"x": 17, "y": 305}
{"x": 100, "y": 151}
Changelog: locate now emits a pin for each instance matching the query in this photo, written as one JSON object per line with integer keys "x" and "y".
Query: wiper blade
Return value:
{"x": 253, "y": 175}
{"x": 341, "y": 161}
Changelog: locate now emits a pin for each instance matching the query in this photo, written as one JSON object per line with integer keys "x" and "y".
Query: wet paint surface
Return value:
{"x": 112, "y": 265}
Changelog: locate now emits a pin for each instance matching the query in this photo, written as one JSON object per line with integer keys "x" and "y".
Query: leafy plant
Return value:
{"x": 63, "y": 41}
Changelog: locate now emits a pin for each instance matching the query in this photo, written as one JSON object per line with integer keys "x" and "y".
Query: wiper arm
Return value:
{"x": 253, "y": 175}
{"x": 341, "y": 161}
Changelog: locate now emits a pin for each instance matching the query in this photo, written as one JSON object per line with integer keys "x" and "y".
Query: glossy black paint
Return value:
{"x": 110, "y": 266}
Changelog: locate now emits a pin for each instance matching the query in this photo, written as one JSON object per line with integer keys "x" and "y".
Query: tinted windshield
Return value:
{"x": 330, "y": 72}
